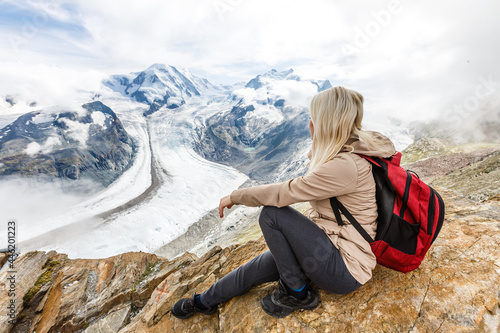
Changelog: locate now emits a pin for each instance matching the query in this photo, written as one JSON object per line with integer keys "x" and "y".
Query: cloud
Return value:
{"x": 426, "y": 59}
{"x": 98, "y": 118}
{"x": 49, "y": 85}
{"x": 295, "y": 93}
{"x": 413, "y": 58}
{"x": 34, "y": 148}
{"x": 77, "y": 131}
{"x": 31, "y": 200}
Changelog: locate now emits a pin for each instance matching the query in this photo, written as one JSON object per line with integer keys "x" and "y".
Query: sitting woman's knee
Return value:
{"x": 269, "y": 213}
{"x": 266, "y": 214}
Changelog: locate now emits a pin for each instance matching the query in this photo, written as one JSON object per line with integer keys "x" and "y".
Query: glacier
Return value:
{"x": 171, "y": 184}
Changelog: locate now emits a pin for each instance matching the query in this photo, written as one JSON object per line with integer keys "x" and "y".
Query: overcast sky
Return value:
{"x": 410, "y": 59}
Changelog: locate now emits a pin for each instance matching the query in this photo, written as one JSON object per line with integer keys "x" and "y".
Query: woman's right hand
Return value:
{"x": 225, "y": 202}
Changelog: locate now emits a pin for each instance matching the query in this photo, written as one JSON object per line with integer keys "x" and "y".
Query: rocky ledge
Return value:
{"x": 456, "y": 289}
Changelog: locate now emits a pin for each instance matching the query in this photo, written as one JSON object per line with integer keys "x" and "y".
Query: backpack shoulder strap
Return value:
{"x": 336, "y": 206}
{"x": 371, "y": 159}
{"x": 394, "y": 159}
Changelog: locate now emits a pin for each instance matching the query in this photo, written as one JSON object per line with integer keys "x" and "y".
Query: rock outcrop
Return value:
{"x": 456, "y": 289}
{"x": 3, "y": 258}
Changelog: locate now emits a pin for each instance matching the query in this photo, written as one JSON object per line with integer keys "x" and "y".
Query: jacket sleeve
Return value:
{"x": 334, "y": 178}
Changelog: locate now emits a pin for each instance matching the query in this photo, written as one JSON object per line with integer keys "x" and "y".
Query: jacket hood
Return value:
{"x": 357, "y": 146}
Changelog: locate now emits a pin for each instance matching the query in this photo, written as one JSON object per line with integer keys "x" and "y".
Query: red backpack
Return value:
{"x": 410, "y": 215}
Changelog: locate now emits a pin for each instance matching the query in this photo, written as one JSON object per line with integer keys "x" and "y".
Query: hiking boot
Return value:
{"x": 282, "y": 303}
{"x": 186, "y": 307}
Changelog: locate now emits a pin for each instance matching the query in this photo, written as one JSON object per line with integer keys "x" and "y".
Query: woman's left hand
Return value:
{"x": 225, "y": 202}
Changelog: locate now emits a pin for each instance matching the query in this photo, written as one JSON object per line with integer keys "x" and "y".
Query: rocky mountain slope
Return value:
{"x": 264, "y": 124}
{"x": 456, "y": 289}
{"x": 91, "y": 144}
{"x": 471, "y": 169}
{"x": 231, "y": 140}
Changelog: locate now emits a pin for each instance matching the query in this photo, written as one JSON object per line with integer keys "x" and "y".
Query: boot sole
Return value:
{"x": 275, "y": 314}
{"x": 288, "y": 309}
{"x": 189, "y": 315}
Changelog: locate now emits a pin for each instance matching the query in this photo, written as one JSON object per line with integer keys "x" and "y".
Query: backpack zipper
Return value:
{"x": 440, "y": 217}
{"x": 406, "y": 195}
{"x": 431, "y": 211}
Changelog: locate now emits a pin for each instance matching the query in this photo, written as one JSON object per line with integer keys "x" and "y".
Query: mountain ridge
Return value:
{"x": 159, "y": 85}
{"x": 67, "y": 145}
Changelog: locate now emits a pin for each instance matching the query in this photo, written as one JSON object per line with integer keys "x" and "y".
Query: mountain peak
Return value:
{"x": 162, "y": 68}
{"x": 261, "y": 79}
{"x": 274, "y": 73}
{"x": 157, "y": 66}
{"x": 159, "y": 85}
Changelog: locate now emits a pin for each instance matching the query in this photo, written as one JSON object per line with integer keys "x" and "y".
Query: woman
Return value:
{"x": 335, "y": 257}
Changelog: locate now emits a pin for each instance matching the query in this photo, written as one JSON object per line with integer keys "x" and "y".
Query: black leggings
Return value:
{"x": 299, "y": 251}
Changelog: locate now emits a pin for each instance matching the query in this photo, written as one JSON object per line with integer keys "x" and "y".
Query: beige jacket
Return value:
{"x": 347, "y": 177}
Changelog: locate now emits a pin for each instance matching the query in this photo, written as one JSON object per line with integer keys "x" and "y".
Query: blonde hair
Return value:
{"x": 336, "y": 114}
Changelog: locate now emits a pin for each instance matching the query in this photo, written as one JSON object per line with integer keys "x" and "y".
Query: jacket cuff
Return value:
{"x": 236, "y": 196}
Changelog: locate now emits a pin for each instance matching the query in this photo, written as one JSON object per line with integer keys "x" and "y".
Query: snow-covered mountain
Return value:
{"x": 258, "y": 125}
{"x": 159, "y": 85}
{"x": 273, "y": 75}
{"x": 265, "y": 128}
{"x": 60, "y": 144}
